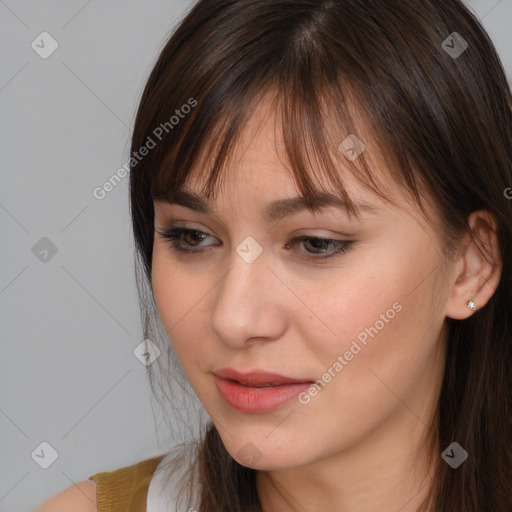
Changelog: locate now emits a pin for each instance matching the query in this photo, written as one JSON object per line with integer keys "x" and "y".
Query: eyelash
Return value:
{"x": 173, "y": 235}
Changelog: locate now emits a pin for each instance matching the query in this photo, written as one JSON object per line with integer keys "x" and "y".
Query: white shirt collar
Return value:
{"x": 163, "y": 492}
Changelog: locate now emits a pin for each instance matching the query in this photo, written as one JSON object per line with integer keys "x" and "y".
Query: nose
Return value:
{"x": 249, "y": 303}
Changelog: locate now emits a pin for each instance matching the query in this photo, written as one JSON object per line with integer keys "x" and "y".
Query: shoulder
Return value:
{"x": 111, "y": 490}
{"x": 80, "y": 497}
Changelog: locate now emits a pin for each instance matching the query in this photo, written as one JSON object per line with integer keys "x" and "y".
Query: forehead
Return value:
{"x": 258, "y": 169}
{"x": 259, "y": 161}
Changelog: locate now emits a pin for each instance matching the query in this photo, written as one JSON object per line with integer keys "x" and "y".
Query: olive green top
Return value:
{"x": 125, "y": 489}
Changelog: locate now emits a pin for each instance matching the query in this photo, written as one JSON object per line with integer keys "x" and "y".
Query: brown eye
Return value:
{"x": 184, "y": 240}
{"x": 319, "y": 246}
{"x": 193, "y": 237}
{"x": 318, "y": 243}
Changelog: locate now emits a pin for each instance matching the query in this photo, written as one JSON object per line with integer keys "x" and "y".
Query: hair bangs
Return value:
{"x": 317, "y": 129}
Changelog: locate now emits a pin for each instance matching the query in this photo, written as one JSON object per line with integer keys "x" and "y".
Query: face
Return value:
{"x": 351, "y": 308}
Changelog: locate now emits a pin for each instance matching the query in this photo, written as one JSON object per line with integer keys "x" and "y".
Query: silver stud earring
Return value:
{"x": 471, "y": 305}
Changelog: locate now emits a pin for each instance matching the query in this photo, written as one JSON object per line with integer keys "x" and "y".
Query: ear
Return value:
{"x": 477, "y": 267}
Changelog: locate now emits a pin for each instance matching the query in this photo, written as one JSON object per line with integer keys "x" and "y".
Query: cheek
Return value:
{"x": 384, "y": 329}
{"x": 179, "y": 299}
{"x": 379, "y": 312}
{"x": 376, "y": 318}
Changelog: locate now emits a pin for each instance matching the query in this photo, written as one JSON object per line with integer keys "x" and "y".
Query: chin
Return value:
{"x": 267, "y": 455}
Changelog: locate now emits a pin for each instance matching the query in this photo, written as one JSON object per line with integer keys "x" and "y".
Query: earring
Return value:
{"x": 471, "y": 305}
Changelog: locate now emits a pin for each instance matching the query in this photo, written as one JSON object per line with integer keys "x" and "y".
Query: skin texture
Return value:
{"x": 360, "y": 443}
{"x": 80, "y": 497}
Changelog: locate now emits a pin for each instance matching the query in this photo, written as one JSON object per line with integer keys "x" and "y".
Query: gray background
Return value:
{"x": 70, "y": 324}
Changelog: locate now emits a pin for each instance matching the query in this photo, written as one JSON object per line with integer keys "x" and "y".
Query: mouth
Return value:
{"x": 257, "y": 392}
{"x": 258, "y": 387}
{"x": 258, "y": 378}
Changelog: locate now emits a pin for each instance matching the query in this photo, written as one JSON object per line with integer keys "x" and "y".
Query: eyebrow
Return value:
{"x": 275, "y": 210}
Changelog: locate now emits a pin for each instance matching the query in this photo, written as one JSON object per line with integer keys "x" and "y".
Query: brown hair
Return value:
{"x": 444, "y": 122}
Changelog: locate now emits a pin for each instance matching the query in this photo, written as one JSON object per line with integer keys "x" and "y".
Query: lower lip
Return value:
{"x": 254, "y": 400}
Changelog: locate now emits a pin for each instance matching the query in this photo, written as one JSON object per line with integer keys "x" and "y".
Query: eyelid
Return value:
{"x": 174, "y": 224}
{"x": 173, "y": 235}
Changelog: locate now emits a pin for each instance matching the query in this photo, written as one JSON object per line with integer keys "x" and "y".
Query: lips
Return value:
{"x": 258, "y": 379}
{"x": 257, "y": 392}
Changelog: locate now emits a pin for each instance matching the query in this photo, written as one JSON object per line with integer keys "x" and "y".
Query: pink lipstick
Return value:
{"x": 257, "y": 391}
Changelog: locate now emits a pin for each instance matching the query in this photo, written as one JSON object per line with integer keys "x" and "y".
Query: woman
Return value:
{"x": 320, "y": 210}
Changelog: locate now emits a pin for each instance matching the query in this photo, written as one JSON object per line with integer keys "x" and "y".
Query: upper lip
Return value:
{"x": 256, "y": 377}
